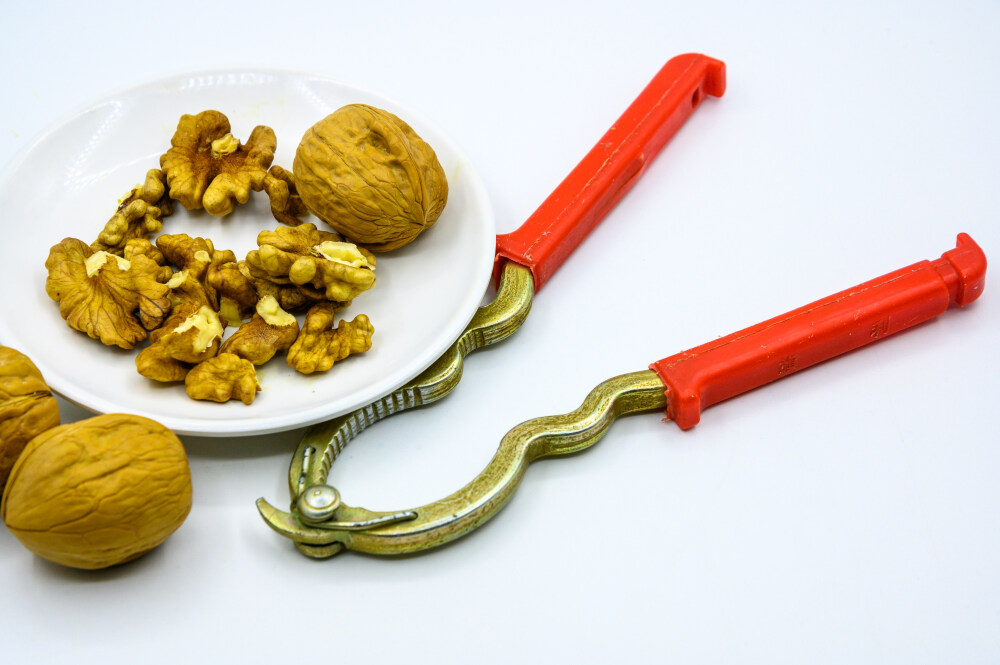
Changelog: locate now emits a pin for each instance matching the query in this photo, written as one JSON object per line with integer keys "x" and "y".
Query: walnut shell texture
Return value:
{"x": 27, "y": 408}
{"x": 366, "y": 173}
{"x": 98, "y": 492}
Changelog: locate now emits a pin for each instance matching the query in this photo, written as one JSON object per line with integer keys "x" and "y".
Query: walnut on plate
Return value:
{"x": 235, "y": 290}
{"x": 185, "y": 289}
{"x": 207, "y": 167}
{"x": 199, "y": 262}
{"x": 105, "y": 296}
{"x": 140, "y": 212}
{"x": 190, "y": 335}
{"x": 286, "y": 204}
{"x": 320, "y": 345}
{"x": 222, "y": 378}
{"x": 290, "y": 297}
{"x": 137, "y": 246}
{"x": 271, "y": 329}
{"x": 192, "y": 254}
{"x": 303, "y": 255}
{"x": 366, "y": 172}
{"x": 155, "y": 363}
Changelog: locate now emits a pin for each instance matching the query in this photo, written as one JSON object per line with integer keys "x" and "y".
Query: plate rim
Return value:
{"x": 279, "y": 423}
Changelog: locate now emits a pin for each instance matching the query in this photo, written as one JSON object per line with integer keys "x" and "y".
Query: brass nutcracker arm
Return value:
{"x": 455, "y": 515}
{"x": 322, "y": 443}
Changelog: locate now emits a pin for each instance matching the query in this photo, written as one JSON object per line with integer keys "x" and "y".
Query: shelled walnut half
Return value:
{"x": 222, "y": 378}
{"x": 191, "y": 334}
{"x": 305, "y": 256}
{"x": 105, "y": 296}
{"x": 140, "y": 212}
{"x": 271, "y": 329}
{"x": 320, "y": 345}
{"x": 207, "y": 167}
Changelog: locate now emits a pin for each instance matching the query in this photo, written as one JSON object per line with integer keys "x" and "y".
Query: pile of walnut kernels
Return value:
{"x": 182, "y": 292}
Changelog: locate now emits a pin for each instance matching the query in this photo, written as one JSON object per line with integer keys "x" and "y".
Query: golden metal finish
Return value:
{"x": 445, "y": 520}
{"x": 322, "y": 443}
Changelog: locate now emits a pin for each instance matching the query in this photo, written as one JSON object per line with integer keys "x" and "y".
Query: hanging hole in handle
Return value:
{"x": 695, "y": 97}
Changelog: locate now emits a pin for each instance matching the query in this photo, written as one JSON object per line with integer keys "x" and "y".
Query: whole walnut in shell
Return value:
{"x": 98, "y": 492}
{"x": 27, "y": 408}
{"x": 367, "y": 174}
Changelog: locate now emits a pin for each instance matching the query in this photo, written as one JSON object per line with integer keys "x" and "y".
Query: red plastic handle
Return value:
{"x": 726, "y": 367}
{"x": 612, "y": 166}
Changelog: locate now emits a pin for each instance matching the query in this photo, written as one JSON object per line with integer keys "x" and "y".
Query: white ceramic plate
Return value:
{"x": 67, "y": 183}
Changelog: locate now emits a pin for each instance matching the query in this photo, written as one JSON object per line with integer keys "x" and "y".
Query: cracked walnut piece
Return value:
{"x": 185, "y": 289}
{"x": 319, "y": 345}
{"x": 222, "y": 378}
{"x": 303, "y": 255}
{"x": 155, "y": 363}
{"x": 198, "y": 261}
{"x": 191, "y": 334}
{"x": 235, "y": 290}
{"x": 286, "y": 204}
{"x": 207, "y": 167}
{"x": 99, "y": 293}
{"x": 187, "y": 253}
{"x": 137, "y": 246}
{"x": 272, "y": 329}
{"x": 292, "y": 298}
{"x": 139, "y": 213}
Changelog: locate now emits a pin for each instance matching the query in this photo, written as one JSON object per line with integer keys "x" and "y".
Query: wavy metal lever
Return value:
{"x": 455, "y": 515}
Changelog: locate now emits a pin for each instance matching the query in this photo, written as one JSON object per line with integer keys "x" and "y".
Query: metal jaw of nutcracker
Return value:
{"x": 318, "y": 523}
{"x": 682, "y": 385}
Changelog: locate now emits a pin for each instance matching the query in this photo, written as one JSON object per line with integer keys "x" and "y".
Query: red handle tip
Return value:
{"x": 714, "y": 82}
{"x": 963, "y": 270}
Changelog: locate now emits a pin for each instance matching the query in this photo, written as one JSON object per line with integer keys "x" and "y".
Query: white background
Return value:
{"x": 850, "y": 513}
